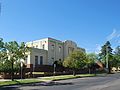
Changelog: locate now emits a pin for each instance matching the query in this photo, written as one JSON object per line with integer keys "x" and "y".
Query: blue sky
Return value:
{"x": 90, "y": 23}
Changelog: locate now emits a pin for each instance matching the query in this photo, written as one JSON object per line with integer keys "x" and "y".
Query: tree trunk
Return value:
{"x": 74, "y": 73}
{"x": 109, "y": 68}
{"x": 89, "y": 70}
{"x": 12, "y": 72}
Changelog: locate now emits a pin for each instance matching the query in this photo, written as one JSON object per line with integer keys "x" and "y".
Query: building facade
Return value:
{"x": 47, "y": 51}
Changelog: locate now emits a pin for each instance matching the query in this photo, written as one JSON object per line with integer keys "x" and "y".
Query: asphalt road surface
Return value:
{"x": 109, "y": 82}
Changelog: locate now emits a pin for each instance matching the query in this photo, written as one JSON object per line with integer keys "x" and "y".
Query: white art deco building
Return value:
{"x": 48, "y": 50}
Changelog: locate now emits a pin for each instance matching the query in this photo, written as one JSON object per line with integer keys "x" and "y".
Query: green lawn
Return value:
{"x": 54, "y": 78}
{"x": 17, "y": 82}
{"x": 63, "y": 77}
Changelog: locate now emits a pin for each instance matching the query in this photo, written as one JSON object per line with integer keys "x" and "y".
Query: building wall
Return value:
{"x": 53, "y": 46}
{"x": 52, "y": 50}
{"x": 55, "y": 50}
{"x": 39, "y": 44}
{"x": 37, "y": 52}
{"x": 81, "y": 49}
{"x": 69, "y": 47}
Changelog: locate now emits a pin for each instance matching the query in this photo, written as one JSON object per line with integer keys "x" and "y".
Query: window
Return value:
{"x": 43, "y": 46}
{"x": 52, "y": 47}
{"x": 36, "y": 46}
{"x": 68, "y": 50}
{"x": 53, "y": 60}
{"x": 41, "y": 43}
{"x": 60, "y": 60}
{"x": 59, "y": 48}
{"x": 36, "y": 60}
{"x": 41, "y": 60}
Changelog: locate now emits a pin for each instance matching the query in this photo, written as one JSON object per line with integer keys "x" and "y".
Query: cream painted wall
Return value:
{"x": 54, "y": 50}
{"x": 37, "y": 52}
{"x": 55, "y": 53}
{"x": 39, "y": 44}
{"x": 69, "y": 46}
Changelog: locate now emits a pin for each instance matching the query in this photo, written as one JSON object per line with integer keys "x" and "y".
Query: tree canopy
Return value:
{"x": 75, "y": 60}
{"x": 10, "y": 55}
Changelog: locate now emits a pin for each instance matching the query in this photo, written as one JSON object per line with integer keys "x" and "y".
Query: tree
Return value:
{"x": 12, "y": 50}
{"x": 58, "y": 63}
{"x": 117, "y": 50}
{"x": 2, "y": 49}
{"x": 91, "y": 59}
{"x": 11, "y": 54}
{"x": 23, "y": 50}
{"x": 106, "y": 55}
{"x": 3, "y": 55}
{"x": 1, "y": 43}
{"x": 116, "y": 56}
{"x": 75, "y": 60}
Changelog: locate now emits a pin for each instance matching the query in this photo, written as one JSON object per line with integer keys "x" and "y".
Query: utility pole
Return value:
{"x": 21, "y": 64}
{"x": 107, "y": 58}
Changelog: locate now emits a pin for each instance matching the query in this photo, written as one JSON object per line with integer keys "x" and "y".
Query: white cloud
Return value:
{"x": 98, "y": 48}
{"x": 113, "y": 35}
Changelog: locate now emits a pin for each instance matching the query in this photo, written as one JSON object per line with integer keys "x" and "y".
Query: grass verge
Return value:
{"x": 53, "y": 78}
{"x": 18, "y": 82}
{"x": 64, "y": 77}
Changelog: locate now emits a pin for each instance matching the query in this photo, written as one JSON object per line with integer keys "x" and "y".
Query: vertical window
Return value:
{"x": 36, "y": 46}
{"x": 43, "y": 46}
{"x": 52, "y": 47}
{"x": 40, "y": 43}
{"x": 68, "y": 50}
{"x": 60, "y": 60}
{"x": 59, "y": 48}
{"x": 36, "y": 60}
{"x": 41, "y": 60}
{"x": 53, "y": 60}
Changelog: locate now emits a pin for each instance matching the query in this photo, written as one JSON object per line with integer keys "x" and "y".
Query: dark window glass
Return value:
{"x": 36, "y": 60}
{"x": 43, "y": 46}
{"x": 41, "y": 60}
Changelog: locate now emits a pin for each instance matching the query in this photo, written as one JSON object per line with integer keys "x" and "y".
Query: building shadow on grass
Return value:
{"x": 51, "y": 83}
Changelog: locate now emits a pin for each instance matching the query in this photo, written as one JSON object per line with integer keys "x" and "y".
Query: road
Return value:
{"x": 109, "y": 82}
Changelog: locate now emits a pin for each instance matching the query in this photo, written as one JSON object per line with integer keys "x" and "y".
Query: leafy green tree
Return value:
{"x": 12, "y": 50}
{"x": 58, "y": 63}
{"x": 106, "y": 53}
{"x": 91, "y": 59}
{"x": 117, "y": 50}
{"x": 76, "y": 60}
{"x": 10, "y": 55}
{"x": 3, "y": 54}
{"x": 1, "y": 43}
{"x": 2, "y": 49}
{"x": 116, "y": 56}
{"x": 23, "y": 50}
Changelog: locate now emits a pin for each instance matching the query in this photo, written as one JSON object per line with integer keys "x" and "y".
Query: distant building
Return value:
{"x": 47, "y": 51}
